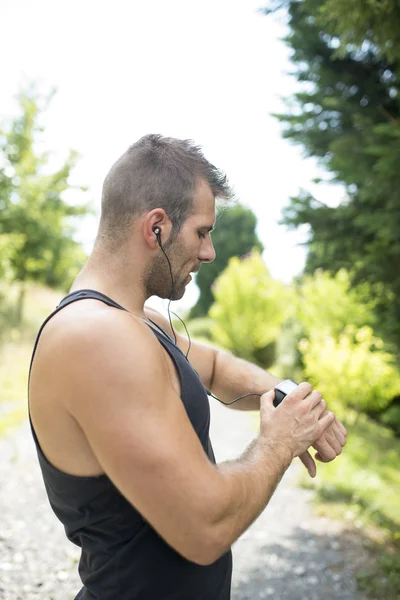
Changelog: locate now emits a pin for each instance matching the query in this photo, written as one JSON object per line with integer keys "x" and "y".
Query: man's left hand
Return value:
{"x": 328, "y": 446}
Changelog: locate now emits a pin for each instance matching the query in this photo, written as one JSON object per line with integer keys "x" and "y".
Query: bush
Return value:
{"x": 352, "y": 369}
{"x": 249, "y": 309}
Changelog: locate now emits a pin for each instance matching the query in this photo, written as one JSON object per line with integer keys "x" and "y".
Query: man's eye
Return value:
{"x": 202, "y": 234}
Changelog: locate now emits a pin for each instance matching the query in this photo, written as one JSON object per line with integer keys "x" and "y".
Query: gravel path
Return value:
{"x": 287, "y": 554}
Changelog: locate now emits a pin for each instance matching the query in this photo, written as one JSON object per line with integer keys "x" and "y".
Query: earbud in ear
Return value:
{"x": 157, "y": 231}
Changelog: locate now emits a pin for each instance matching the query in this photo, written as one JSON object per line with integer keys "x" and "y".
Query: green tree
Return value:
{"x": 249, "y": 309}
{"x": 352, "y": 370}
{"x": 36, "y": 223}
{"x": 347, "y": 114}
{"x": 338, "y": 349}
{"x": 329, "y": 303}
{"x": 324, "y": 304}
{"x": 234, "y": 235}
{"x": 374, "y": 21}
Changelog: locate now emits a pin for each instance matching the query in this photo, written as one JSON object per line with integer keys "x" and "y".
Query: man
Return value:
{"x": 120, "y": 414}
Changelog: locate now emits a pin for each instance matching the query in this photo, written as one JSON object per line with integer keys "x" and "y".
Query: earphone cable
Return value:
{"x": 186, "y": 329}
{"x": 172, "y": 290}
{"x": 187, "y": 332}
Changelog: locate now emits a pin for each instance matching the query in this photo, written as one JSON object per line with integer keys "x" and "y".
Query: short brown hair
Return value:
{"x": 157, "y": 172}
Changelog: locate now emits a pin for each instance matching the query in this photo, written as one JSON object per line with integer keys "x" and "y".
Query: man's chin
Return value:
{"x": 179, "y": 294}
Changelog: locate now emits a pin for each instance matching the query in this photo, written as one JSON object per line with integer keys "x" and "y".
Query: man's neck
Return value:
{"x": 124, "y": 288}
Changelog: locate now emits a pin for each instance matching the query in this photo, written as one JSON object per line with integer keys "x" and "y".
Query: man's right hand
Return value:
{"x": 297, "y": 422}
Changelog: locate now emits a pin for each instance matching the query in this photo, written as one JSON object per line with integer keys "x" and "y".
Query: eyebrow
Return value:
{"x": 208, "y": 228}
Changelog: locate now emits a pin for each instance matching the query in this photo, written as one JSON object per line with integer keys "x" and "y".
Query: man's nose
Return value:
{"x": 207, "y": 253}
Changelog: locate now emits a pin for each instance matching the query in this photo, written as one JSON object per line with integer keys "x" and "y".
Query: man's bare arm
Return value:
{"x": 234, "y": 377}
{"x": 116, "y": 384}
{"x": 223, "y": 374}
{"x": 229, "y": 377}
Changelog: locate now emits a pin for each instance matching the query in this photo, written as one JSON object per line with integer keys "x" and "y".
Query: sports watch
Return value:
{"x": 283, "y": 389}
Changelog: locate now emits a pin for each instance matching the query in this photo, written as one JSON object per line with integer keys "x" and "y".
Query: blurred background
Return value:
{"x": 298, "y": 101}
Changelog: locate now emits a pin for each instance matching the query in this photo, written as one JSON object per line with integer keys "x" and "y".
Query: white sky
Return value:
{"x": 211, "y": 70}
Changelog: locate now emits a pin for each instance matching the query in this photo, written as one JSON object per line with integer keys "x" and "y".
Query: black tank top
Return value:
{"x": 123, "y": 557}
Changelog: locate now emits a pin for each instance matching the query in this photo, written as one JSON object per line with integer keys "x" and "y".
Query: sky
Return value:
{"x": 212, "y": 71}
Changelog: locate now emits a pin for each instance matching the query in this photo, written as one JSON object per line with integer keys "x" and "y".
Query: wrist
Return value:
{"x": 278, "y": 449}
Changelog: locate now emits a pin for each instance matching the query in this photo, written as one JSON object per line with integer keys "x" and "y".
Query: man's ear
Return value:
{"x": 156, "y": 227}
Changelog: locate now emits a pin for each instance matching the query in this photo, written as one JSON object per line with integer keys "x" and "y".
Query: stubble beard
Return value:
{"x": 157, "y": 276}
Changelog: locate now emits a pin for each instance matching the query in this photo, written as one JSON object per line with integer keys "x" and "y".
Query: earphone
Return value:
{"x": 157, "y": 232}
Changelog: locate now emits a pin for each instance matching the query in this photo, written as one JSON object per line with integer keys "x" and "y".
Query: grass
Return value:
{"x": 362, "y": 487}
{"x": 14, "y": 366}
{"x": 15, "y": 356}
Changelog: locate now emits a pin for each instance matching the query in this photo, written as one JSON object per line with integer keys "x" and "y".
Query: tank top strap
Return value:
{"x": 69, "y": 299}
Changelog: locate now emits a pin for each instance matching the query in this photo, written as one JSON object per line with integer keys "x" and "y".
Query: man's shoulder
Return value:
{"x": 157, "y": 317}
{"x": 87, "y": 325}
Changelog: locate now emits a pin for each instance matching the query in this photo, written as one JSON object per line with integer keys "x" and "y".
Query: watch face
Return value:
{"x": 287, "y": 386}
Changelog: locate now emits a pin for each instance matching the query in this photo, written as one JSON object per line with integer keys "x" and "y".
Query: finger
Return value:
{"x": 323, "y": 459}
{"x": 325, "y": 421}
{"x": 266, "y": 401}
{"x": 335, "y": 433}
{"x": 338, "y": 430}
{"x": 341, "y": 427}
{"x": 325, "y": 451}
{"x": 301, "y": 392}
{"x": 309, "y": 463}
{"x": 333, "y": 442}
{"x": 328, "y": 444}
{"x": 315, "y": 399}
{"x": 341, "y": 438}
{"x": 320, "y": 408}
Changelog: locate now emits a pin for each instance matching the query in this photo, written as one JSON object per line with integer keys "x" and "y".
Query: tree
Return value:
{"x": 352, "y": 370}
{"x": 249, "y": 309}
{"x": 375, "y": 22}
{"x": 36, "y": 223}
{"x": 360, "y": 21}
{"x": 329, "y": 303}
{"x": 347, "y": 114}
{"x": 338, "y": 351}
{"x": 324, "y": 305}
{"x": 234, "y": 235}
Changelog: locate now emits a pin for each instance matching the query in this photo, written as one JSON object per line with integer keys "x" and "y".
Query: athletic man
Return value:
{"x": 120, "y": 412}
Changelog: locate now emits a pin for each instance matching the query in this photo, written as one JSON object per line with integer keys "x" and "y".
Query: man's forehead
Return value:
{"x": 204, "y": 204}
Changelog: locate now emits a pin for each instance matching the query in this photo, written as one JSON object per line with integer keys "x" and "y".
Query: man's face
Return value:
{"x": 186, "y": 251}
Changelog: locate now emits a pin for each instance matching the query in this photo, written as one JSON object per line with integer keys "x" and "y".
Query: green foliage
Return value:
{"x": 14, "y": 369}
{"x": 289, "y": 363}
{"x": 234, "y": 235}
{"x": 391, "y": 417}
{"x": 249, "y": 309}
{"x": 16, "y": 349}
{"x": 329, "y": 303}
{"x": 351, "y": 370}
{"x": 201, "y": 328}
{"x": 382, "y": 579}
{"x": 366, "y": 477}
{"x": 363, "y": 487}
{"x": 347, "y": 114}
{"x": 36, "y": 223}
{"x": 337, "y": 350}
{"x": 374, "y": 20}
{"x": 8, "y": 317}
{"x": 324, "y": 304}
